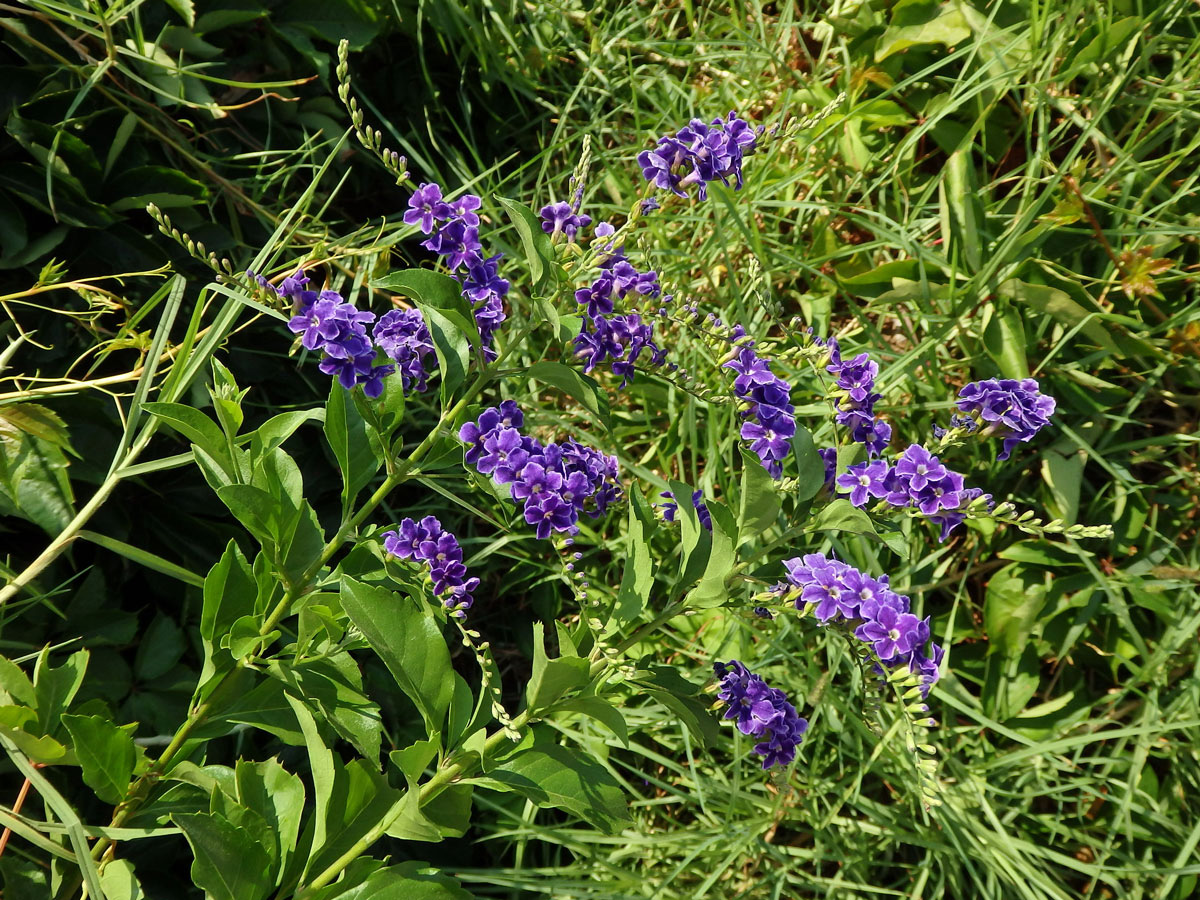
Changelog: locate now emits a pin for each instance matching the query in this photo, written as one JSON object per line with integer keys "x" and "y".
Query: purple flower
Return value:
{"x": 889, "y": 631}
{"x": 698, "y": 154}
{"x": 560, "y": 218}
{"x": 504, "y": 454}
{"x": 621, "y": 339}
{"x": 761, "y": 711}
{"x": 1014, "y": 410}
{"x": 771, "y": 421}
{"x": 548, "y": 512}
{"x": 426, "y": 542}
{"x": 426, "y": 207}
{"x": 458, "y": 242}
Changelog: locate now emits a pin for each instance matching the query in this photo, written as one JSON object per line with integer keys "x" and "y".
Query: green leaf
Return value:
{"x": 448, "y": 316}
{"x": 33, "y": 474}
{"x": 160, "y": 648}
{"x": 638, "y": 577}
{"x": 694, "y": 539}
{"x": 254, "y": 508}
{"x": 410, "y": 880}
{"x": 1059, "y": 304}
{"x": 600, "y": 710}
{"x": 333, "y": 686}
{"x": 185, "y": 8}
{"x": 1004, "y": 341}
{"x": 672, "y": 690}
{"x": 759, "y": 501}
{"x": 409, "y": 642}
{"x": 106, "y": 752}
{"x": 554, "y": 776}
{"x": 552, "y": 678}
{"x": 922, "y": 22}
{"x": 56, "y": 687}
{"x": 1107, "y": 43}
{"x": 712, "y": 589}
{"x": 37, "y": 421}
{"x": 539, "y": 251}
{"x": 119, "y": 881}
{"x": 230, "y": 592}
{"x": 1015, "y": 596}
{"x": 277, "y": 796}
{"x": 960, "y": 209}
{"x": 229, "y": 864}
{"x": 15, "y": 684}
{"x": 346, "y": 432}
{"x": 361, "y": 798}
{"x": 277, "y": 429}
{"x": 575, "y": 384}
{"x": 810, "y": 474}
{"x": 196, "y": 427}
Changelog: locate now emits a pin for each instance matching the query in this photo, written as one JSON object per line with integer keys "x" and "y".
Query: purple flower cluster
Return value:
{"x": 761, "y": 711}
{"x": 427, "y": 542}
{"x": 698, "y": 154}
{"x": 856, "y": 381}
{"x": 327, "y": 323}
{"x": 839, "y": 592}
{"x": 453, "y": 229}
{"x": 770, "y": 417}
{"x": 563, "y": 218}
{"x": 553, "y": 482}
{"x": 403, "y": 336}
{"x": 917, "y": 479}
{"x": 621, "y": 338}
{"x": 1014, "y": 410}
{"x": 671, "y": 507}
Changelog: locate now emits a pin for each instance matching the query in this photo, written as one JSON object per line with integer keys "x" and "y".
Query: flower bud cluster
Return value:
{"x": 877, "y": 615}
{"x": 762, "y": 712}
{"x": 427, "y": 542}
{"x": 553, "y": 483}
{"x": 698, "y": 154}
{"x": 404, "y": 337}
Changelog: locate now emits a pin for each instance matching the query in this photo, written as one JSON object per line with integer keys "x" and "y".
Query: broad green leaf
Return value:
{"x": 575, "y": 384}
{"x": 230, "y": 592}
{"x": 410, "y": 880}
{"x": 277, "y": 796}
{"x": 15, "y": 684}
{"x": 37, "y": 421}
{"x": 922, "y": 22}
{"x": 346, "y": 432}
{"x": 695, "y": 541}
{"x": 760, "y": 505}
{"x": 195, "y": 426}
{"x": 1015, "y": 596}
{"x": 409, "y": 642}
{"x": 254, "y": 508}
{"x": 277, "y": 429}
{"x": 810, "y": 468}
{"x": 1064, "y": 476}
{"x": 361, "y": 798}
{"x": 961, "y": 211}
{"x": 712, "y": 589}
{"x": 539, "y": 251}
{"x": 679, "y": 695}
{"x": 33, "y": 477}
{"x": 554, "y": 776}
{"x": 55, "y": 687}
{"x": 552, "y": 678}
{"x": 1105, "y": 45}
{"x": 19, "y": 724}
{"x": 1004, "y": 341}
{"x": 229, "y": 864}
{"x": 106, "y": 753}
{"x": 264, "y": 706}
{"x": 638, "y": 577}
{"x": 447, "y": 314}
{"x": 120, "y": 882}
{"x": 600, "y": 710}
{"x": 1060, "y": 305}
{"x": 160, "y": 648}
{"x": 332, "y": 685}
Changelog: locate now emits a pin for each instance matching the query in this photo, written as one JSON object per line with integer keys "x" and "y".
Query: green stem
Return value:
{"x": 441, "y": 779}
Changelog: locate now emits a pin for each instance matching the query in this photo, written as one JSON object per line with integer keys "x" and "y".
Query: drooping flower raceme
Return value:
{"x": 453, "y": 229}
{"x": 698, "y": 154}
{"x": 760, "y": 711}
{"x": 770, "y": 417}
{"x": 427, "y": 542}
{"x": 856, "y": 407}
{"x": 1011, "y": 409}
{"x": 553, "y": 483}
{"x": 877, "y": 615}
{"x": 403, "y": 336}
